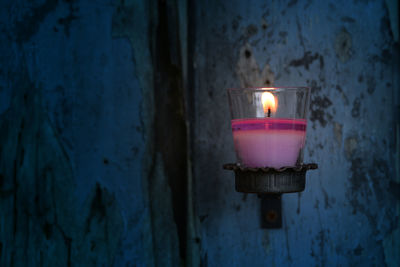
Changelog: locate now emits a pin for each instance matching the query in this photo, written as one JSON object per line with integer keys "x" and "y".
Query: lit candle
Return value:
{"x": 266, "y": 141}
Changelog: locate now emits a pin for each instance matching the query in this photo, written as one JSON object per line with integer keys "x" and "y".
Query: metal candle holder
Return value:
{"x": 270, "y": 184}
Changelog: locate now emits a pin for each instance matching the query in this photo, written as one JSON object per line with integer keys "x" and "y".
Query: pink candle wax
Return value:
{"x": 268, "y": 142}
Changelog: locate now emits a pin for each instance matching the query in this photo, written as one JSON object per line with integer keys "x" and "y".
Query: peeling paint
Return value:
{"x": 338, "y": 133}
{"x": 90, "y": 97}
{"x": 251, "y": 30}
{"x": 307, "y": 60}
{"x": 342, "y": 94}
{"x": 249, "y": 73}
{"x": 343, "y": 45}
{"x": 318, "y": 108}
{"x": 350, "y": 145}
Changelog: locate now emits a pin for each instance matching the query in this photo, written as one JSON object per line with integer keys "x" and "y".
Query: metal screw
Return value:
{"x": 271, "y": 216}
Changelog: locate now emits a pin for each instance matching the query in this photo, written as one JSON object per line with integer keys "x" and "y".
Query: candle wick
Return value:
{"x": 269, "y": 112}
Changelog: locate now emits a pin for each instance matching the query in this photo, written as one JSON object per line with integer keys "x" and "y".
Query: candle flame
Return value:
{"x": 268, "y": 102}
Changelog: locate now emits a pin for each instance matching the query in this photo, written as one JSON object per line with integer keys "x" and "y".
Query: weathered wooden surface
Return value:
{"x": 43, "y": 221}
{"x": 113, "y": 112}
{"x": 345, "y": 51}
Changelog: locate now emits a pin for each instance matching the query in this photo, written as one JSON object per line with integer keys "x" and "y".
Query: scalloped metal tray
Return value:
{"x": 270, "y": 180}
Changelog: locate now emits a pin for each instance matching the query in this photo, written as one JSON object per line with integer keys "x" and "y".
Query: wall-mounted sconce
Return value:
{"x": 269, "y": 130}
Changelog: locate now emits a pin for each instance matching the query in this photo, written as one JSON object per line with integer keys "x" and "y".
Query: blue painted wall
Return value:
{"x": 62, "y": 56}
{"x": 92, "y": 94}
{"x": 344, "y": 51}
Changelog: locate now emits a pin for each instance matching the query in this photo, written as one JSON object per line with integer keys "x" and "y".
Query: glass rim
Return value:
{"x": 268, "y": 89}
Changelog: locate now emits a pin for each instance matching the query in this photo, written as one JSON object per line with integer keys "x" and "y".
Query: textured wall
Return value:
{"x": 114, "y": 126}
{"x": 71, "y": 138}
{"x": 94, "y": 160}
{"x": 345, "y": 51}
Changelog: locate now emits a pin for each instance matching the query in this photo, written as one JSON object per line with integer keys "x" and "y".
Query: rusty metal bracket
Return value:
{"x": 271, "y": 211}
{"x": 270, "y": 184}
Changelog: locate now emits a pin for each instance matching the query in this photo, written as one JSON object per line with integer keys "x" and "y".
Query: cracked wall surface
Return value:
{"x": 114, "y": 126}
{"x": 346, "y": 52}
{"x": 71, "y": 138}
{"x": 94, "y": 148}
